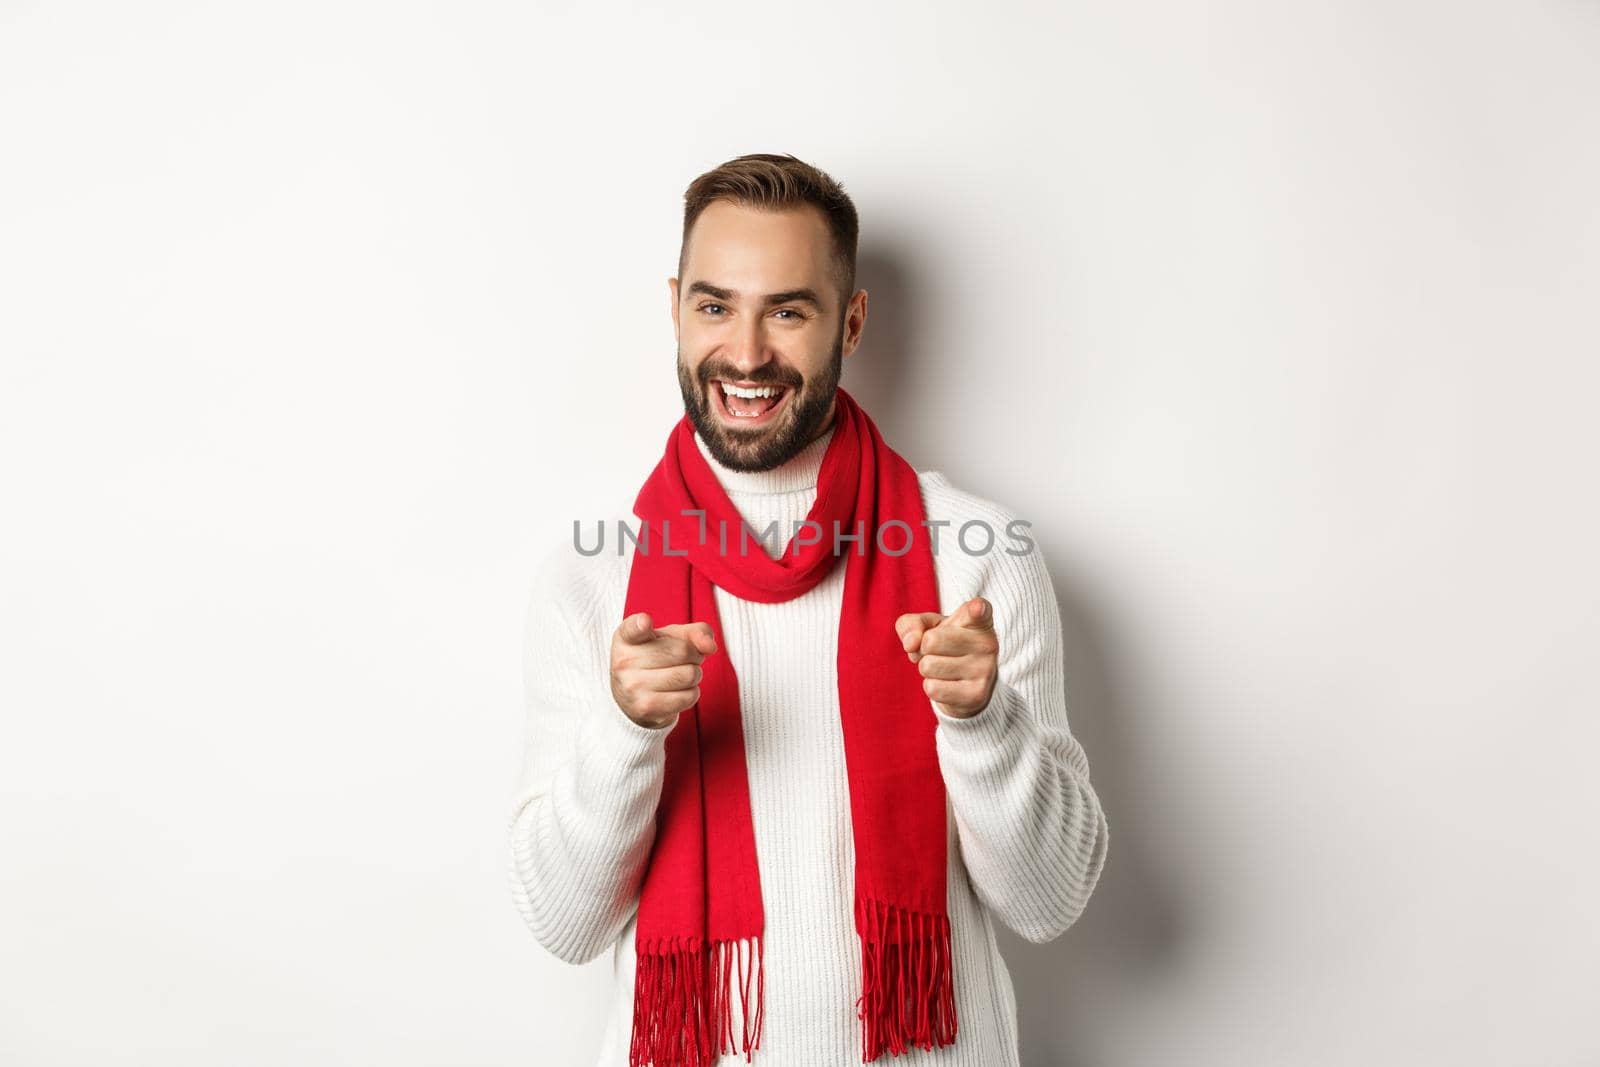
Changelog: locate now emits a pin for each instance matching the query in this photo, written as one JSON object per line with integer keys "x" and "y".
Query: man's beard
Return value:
{"x": 804, "y": 410}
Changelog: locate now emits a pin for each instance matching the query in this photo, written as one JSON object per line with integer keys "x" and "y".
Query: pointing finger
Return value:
{"x": 636, "y": 629}
{"x": 696, "y": 635}
{"x": 701, "y": 637}
{"x": 976, "y": 614}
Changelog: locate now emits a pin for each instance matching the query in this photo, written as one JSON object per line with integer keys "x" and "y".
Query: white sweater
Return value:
{"x": 1027, "y": 838}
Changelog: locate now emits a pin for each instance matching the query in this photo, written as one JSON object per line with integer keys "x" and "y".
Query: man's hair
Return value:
{"x": 776, "y": 182}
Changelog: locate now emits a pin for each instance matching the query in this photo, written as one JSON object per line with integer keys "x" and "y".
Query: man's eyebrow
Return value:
{"x": 788, "y": 296}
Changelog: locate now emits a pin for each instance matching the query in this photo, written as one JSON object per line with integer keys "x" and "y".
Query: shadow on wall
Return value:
{"x": 877, "y": 373}
{"x": 1133, "y": 931}
{"x": 1134, "y": 927}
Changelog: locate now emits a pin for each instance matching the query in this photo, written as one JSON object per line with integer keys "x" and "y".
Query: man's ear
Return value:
{"x": 672, "y": 286}
{"x": 855, "y": 320}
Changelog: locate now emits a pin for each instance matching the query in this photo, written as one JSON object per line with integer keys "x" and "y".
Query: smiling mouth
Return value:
{"x": 747, "y": 410}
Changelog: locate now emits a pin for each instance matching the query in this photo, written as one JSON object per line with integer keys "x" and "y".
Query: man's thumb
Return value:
{"x": 911, "y": 626}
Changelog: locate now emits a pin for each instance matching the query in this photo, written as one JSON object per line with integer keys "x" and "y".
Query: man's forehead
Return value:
{"x": 738, "y": 252}
{"x": 745, "y": 233}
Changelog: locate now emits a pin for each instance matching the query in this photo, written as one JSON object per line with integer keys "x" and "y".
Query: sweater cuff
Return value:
{"x": 987, "y": 740}
{"x": 616, "y": 740}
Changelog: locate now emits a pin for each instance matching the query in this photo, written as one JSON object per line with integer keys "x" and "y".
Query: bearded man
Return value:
{"x": 796, "y": 744}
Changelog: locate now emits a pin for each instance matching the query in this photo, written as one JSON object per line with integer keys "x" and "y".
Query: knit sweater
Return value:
{"x": 1026, "y": 834}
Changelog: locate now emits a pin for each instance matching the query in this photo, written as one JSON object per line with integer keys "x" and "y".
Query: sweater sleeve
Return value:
{"x": 583, "y": 819}
{"x": 1030, "y": 827}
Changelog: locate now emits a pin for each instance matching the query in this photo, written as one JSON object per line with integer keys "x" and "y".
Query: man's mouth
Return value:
{"x": 744, "y": 405}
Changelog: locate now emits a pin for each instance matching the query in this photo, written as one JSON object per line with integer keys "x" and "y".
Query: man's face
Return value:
{"x": 759, "y": 306}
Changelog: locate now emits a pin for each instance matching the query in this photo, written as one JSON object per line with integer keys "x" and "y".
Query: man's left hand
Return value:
{"x": 957, "y": 654}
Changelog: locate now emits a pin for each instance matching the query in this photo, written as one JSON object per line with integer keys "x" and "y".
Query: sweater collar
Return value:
{"x": 799, "y": 472}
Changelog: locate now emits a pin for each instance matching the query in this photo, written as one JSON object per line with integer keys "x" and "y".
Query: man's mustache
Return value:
{"x": 706, "y": 377}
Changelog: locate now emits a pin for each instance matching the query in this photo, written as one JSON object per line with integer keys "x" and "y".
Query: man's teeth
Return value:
{"x": 739, "y": 390}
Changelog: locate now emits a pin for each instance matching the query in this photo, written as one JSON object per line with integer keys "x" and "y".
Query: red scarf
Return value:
{"x": 700, "y": 912}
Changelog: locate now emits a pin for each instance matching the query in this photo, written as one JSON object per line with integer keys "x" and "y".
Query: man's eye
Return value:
{"x": 794, "y": 315}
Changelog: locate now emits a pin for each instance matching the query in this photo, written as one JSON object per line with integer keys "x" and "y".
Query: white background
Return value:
{"x": 321, "y": 320}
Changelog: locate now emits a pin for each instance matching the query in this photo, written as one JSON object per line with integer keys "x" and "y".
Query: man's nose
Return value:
{"x": 750, "y": 350}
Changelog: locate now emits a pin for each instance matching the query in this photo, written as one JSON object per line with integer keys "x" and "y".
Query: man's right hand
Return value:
{"x": 655, "y": 672}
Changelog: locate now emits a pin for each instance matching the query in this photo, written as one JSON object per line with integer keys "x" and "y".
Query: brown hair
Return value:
{"x": 776, "y": 182}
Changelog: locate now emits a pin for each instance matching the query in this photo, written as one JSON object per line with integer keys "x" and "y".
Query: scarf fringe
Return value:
{"x": 907, "y": 992}
{"x": 683, "y": 995}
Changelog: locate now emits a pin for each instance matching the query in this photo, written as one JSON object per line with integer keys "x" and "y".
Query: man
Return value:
{"x": 792, "y": 787}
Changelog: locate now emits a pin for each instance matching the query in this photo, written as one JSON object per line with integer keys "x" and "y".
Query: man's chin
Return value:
{"x": 747, "y": 442}
{"x": 752, "y": 449}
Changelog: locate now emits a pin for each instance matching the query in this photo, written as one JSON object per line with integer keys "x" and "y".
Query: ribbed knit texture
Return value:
{"x": 1027, "y": 839}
